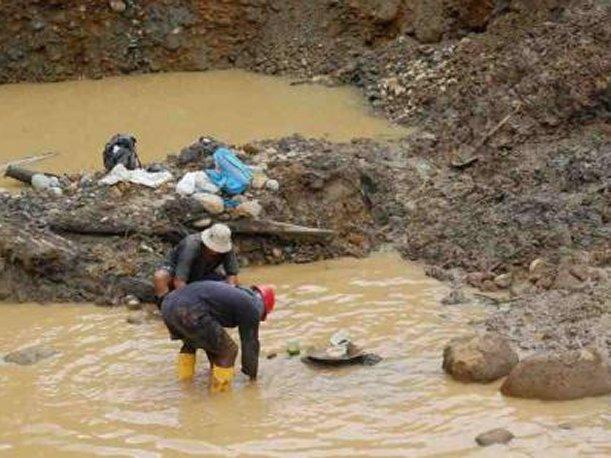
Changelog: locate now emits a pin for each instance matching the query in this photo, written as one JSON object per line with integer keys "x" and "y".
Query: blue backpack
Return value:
{"x": 232, "y": 176}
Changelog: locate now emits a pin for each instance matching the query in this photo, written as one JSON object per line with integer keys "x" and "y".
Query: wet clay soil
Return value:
{"x": 112, "y": 390}
{"x": 167, "y": 111}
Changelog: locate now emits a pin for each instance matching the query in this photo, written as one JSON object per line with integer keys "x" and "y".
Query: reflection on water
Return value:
{"x": 168, "y": 111}
{"x": 112, "y": 390}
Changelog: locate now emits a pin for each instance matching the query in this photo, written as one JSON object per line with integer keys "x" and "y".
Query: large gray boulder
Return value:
{"x": 30, "y": 355}
{"x": 479, "y": 358}
{"x": 560, "y": 376}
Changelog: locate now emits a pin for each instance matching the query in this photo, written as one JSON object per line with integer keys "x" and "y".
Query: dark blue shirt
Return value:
{"x": 230, "y": 306}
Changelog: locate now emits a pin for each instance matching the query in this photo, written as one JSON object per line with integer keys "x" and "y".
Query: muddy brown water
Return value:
{"x": 112, "y": 390}
{"x": 168, "y": 111}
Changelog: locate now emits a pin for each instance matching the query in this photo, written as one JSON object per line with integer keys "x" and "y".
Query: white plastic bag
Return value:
{"x": 194, "y": 182}
{"x": 138, "y": 176}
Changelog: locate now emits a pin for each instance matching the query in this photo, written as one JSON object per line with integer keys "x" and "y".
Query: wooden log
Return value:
{"x": 27, "y": 160}
{"x": 278, "y": 229}
{"x": 110, "y": 228}
{"x": 20, "y": 174}
{"x": 75, "y": 225}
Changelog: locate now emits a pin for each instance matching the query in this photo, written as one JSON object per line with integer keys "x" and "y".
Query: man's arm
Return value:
{"x": 249, "y": 341}
{"x": 186, "y": 256}
{"x": 231, "y": 267}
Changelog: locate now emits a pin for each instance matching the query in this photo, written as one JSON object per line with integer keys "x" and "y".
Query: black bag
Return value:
{"x": 121, "y": 149}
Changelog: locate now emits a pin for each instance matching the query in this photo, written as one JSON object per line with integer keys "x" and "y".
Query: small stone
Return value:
{"x": 494, "y": 436}
{"x": 272, "y": 355}
{"x": 259, "y": 181}
{"x": 42, "y": 182}
{"x": 293, "y": 348}
{"x": 536, "y": 265}
{"x": 272, "y": 185}
{"x": 37, "y": 25}
{"x": 503, "y": 281}
{"x": 251, "y": 209}
{"x": 118, "y": 6}
{"x": 212, "y": 203}
{"x": 30, "y": 355}
{"x": 479, "y": 358}
{"x": 276, "y": 252}
{"x": 202, "y": 223}
{"x": 132, "y": 302}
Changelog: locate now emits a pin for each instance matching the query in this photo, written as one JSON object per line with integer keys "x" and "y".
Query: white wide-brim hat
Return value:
{"x": 218, "y": 238}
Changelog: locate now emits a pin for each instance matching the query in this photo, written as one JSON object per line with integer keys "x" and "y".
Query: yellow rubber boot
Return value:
{"x": 186, "y": 366}
{"x": 221, "y": 379}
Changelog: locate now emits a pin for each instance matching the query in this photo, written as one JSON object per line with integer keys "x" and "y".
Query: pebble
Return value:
{"x": 536, "y": 264}
{"x": 212, "y": 203}
{"x": 251, "y": 209}
{"x": 503, "y": 281}
{"x": 494, "y": 436}
{"x": 272, "y": 185}
{"x": 259, "y": 181}
{"x": 293, "y": 348}
{"x": 37, "y": 25}
{"x": 118, "y": 6}
{"x": 132, "y": 302}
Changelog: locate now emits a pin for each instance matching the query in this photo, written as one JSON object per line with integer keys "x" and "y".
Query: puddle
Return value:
{"x": 168, "y": 111}
{"x": 112, "y": 390}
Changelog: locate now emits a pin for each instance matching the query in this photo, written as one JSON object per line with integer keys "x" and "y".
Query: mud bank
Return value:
{"x": 100, "y": 243}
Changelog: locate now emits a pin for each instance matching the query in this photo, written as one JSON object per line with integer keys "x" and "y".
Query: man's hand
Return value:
{"x": 179, "y": 283}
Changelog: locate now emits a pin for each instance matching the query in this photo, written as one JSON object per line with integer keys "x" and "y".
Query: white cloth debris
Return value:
{"x": 194, "y": 182}
{"x": 139, "y": 176}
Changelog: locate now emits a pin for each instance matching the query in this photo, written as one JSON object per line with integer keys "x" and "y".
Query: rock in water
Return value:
{"x": 494, "y": 436}
{"x": 30, "y": 355}
{"x": 479, "y": 358}
{"x": 293, "y": 348}
{"x": 560, "y": 376}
